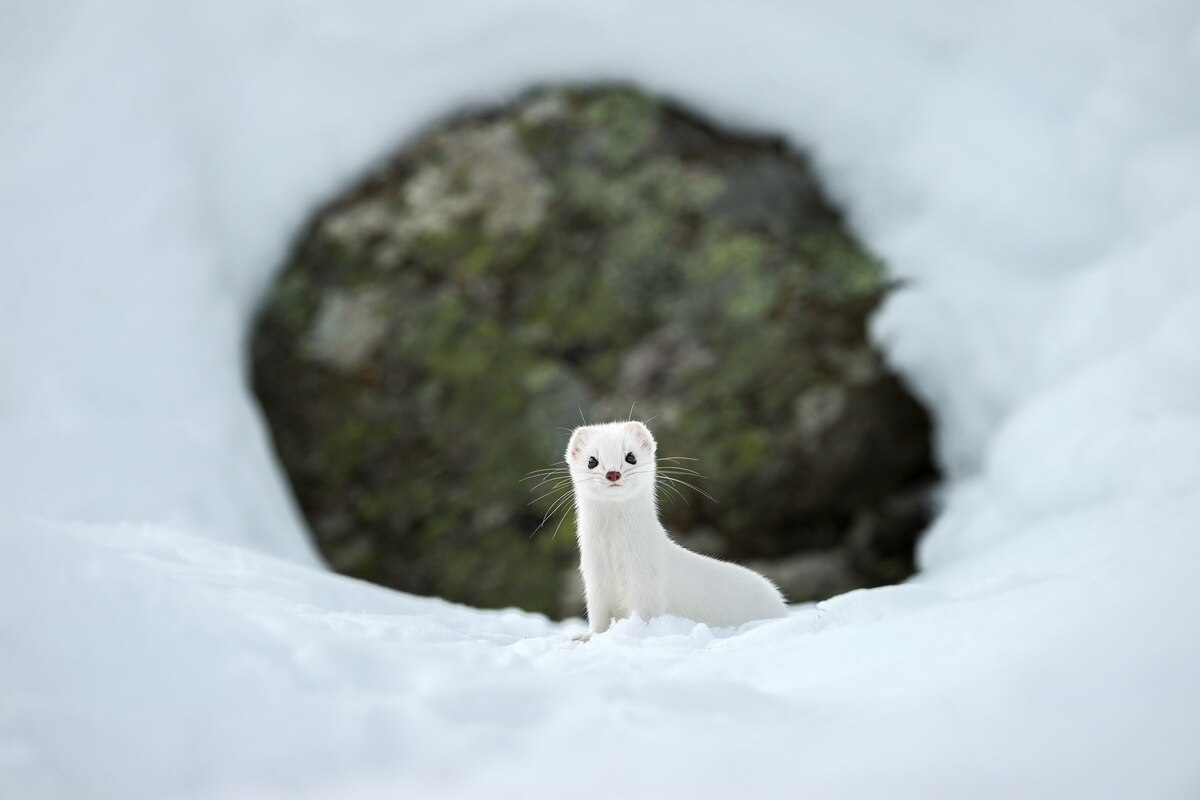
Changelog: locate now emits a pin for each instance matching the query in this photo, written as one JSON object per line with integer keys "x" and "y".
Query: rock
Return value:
{"x": 662, "y": 358}
{"x": 443, "y": 324}
{"x": 818, "y": 575}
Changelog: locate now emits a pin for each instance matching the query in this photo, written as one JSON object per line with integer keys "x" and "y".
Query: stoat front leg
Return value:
{"x": 599, "y": 615}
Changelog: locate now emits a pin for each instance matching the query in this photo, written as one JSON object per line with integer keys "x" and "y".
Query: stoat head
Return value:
{"x": 612, "y": 462}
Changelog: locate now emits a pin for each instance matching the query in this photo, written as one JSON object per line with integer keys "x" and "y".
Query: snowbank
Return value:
{"x": 1029, "y": 171}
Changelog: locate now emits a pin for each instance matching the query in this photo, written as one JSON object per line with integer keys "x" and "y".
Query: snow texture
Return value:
{"x": 1028, "y": 170}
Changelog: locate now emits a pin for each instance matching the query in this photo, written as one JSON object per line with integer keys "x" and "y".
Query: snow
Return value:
{"x": 1029, "y": 171}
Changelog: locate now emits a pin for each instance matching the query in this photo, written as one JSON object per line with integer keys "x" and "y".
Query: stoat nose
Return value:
{"x": 613, "y": 476}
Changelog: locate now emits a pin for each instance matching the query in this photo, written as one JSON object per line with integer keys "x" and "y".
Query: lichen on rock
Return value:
{"x": 349, "y": 325}
{"x": 441, "y": 326}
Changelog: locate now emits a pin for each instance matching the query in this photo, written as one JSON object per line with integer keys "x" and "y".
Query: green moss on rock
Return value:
{"x": 440, "y": 326}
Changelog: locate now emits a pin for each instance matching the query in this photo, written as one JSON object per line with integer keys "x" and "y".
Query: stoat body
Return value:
{"x": 630, "y": 565}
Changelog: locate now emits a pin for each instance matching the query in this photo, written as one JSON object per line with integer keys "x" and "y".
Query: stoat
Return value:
{"x": 629, "y": 563}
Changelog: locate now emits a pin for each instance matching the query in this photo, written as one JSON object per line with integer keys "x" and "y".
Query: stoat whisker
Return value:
{"x": 562, "y": 462}
{"x": 677, "y": 458}
{"x": 679, "y": 480}
{"x": 553, "y": 487}
{"x": 547, "y": 479}
{"x": 556, "y": 488}
{"x": 666, "y": 487}
{"x": 543, "y": 473}
{"x": 549, "y": 470}
{"x": 673, "y": 465}
{"x": 682, "y": 471}
{"x": 636, "y": 471}
{"x": 553, "y": 465}
{"x": 558, "y": 462}
{"x": 563, "y": 502}
{"x": 667, "y": 469}
{"x": 559, "y": 525}
{"x": 691, "y": 486}
{"x": 557, "y": 504}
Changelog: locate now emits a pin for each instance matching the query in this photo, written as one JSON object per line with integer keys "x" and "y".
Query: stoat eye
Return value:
{"x": 592, "y": 462}
{"x": 630, "y": 458}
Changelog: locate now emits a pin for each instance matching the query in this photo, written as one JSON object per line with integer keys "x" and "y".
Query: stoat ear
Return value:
{"x": 577, "y": 442}
{"x": 642, "y": 434}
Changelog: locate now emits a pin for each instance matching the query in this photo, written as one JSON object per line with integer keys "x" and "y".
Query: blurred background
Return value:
{"x": 588, "y": 251}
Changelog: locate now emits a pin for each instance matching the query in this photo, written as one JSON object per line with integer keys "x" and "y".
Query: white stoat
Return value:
{"x": 629, "y": 563}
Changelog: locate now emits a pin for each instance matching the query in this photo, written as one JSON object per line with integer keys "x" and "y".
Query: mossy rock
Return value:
{"x": 442, "y": 325}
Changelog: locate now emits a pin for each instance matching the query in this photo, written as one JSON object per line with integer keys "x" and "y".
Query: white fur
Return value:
{"x": 629, "y": 563}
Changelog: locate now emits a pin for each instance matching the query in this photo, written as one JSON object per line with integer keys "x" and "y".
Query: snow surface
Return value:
{"x": 1031, "y": 171}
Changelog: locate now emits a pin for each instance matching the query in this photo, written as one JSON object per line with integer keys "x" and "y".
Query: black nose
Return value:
{"x": 613, "y": 476}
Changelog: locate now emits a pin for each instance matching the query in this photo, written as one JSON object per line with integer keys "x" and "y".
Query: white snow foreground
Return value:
{"x": 140, "y": 662}
{"x": 166, "y": 631}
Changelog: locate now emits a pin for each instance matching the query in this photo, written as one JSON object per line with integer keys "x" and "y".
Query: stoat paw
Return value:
{"x": 582, "y": 637}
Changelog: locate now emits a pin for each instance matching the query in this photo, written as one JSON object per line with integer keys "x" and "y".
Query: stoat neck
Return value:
{"x": 636, "y": 515}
